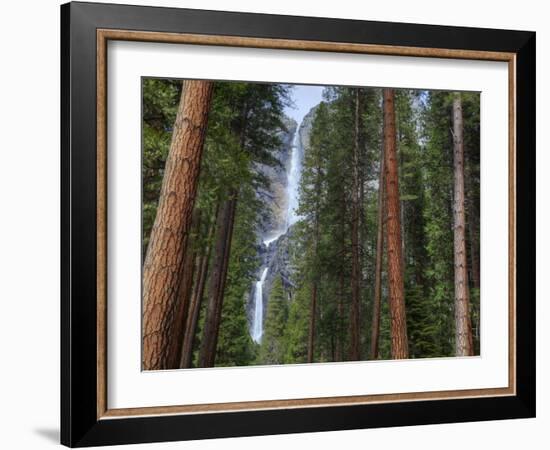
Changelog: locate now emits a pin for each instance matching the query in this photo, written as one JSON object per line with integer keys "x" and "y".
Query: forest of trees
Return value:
{"x": 384, "y": 256}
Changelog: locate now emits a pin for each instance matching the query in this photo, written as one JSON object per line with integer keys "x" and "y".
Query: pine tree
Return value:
{"x": 197, "y": 293}
{"x": 167, "y": 245}
{"x": 389, "y": 178}
{"x": 377, "y": 299}
{"x": 395, "y": 258}
{"x": 437, "y": 215}
{"x": 295, "y": 335}
{"x": 463, "y": 339}
{"x": 220, "y": 264}
{"x": 273, "y": 349}
{"x": 234, "y": 344}
{"x": 355, "y": 344}
{"x": 252, "y": 115}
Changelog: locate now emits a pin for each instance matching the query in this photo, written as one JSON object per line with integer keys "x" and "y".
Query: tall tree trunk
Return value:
{"x": 355, "y": 344}
{"x": 196, "y": 300}
{"x": 377, "y": 301}
{"x": 341, "y": 282}
{"x": 340, "y": 311}
{"x": 226, "y": 219}
{"x": 463, "y": 327}
{"x": 162, "y": 268}
{"x": 401, "y": 165}
{"x": 312, "y": 313}
{"x": 184, "y": 294}
{"x": 313, "y": 299}
{"x": 399, "y": 340}
{"x": 207, "y": 354}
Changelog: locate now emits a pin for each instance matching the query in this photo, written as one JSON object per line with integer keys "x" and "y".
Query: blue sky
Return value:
{"x": 304, "y": 98}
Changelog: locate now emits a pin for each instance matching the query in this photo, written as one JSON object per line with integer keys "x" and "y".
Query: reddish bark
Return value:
{"x": 226, "y": 219}
{"x": 195, "y": 304}
{"x": 377, "y": 301}
{"x": 164, "y": 260}
{"x": 399, "y": 340}
{"x": 184, "y": 294}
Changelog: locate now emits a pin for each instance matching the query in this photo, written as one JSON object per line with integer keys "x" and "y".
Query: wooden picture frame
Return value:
{"x": 86, "y": 418}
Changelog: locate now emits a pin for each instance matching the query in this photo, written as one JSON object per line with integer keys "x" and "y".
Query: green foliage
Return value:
{"x": 272, "y": 349}
{"x": 244, "y": 129}
{"x": 425, "y": 181}
{"x": 235, "y": 346}
{"x": 296, "y": 330}
{"x": 437, "y": 214}
{"x": 160, "y": 103}
{"x": 318, "y": 234}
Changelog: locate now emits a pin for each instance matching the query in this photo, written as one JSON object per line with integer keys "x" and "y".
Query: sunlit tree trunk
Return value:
{"x": 164, "y": 260}
{"x": 463, "y": 327}
{"x": 399, "y": 340}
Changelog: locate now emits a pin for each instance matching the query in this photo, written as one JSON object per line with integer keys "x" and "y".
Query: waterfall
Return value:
{"x": 257, "y": 330}
{"x": 293, "y": 183}
{"x": 292, "y": 191}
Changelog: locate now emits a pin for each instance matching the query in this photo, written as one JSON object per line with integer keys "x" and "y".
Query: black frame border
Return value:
{"x": 79, "y": 424}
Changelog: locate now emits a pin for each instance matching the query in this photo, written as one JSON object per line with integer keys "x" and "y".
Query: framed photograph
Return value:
{"x": 276, "y": 224}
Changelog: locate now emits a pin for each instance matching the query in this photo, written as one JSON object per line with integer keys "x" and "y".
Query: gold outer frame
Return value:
{"x": 103, "y": 36}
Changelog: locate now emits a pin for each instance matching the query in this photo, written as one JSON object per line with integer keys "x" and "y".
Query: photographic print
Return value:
{"x": 312, "y": 224}
{"x": 272, "y": 224}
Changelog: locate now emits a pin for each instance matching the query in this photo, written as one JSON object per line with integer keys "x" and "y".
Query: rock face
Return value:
{"x": 279, "y": 264}
{"x": 274, "y": 225}
{"x": 277, "y": 257}
{"x": 305, "y": 128}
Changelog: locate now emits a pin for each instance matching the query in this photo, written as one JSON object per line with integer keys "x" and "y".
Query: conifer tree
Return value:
{"x": 272, "y": 349}
{"x": 164, "y": 260}
{"x": 463, "y": 339}
{"x": 399, "y": 340}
